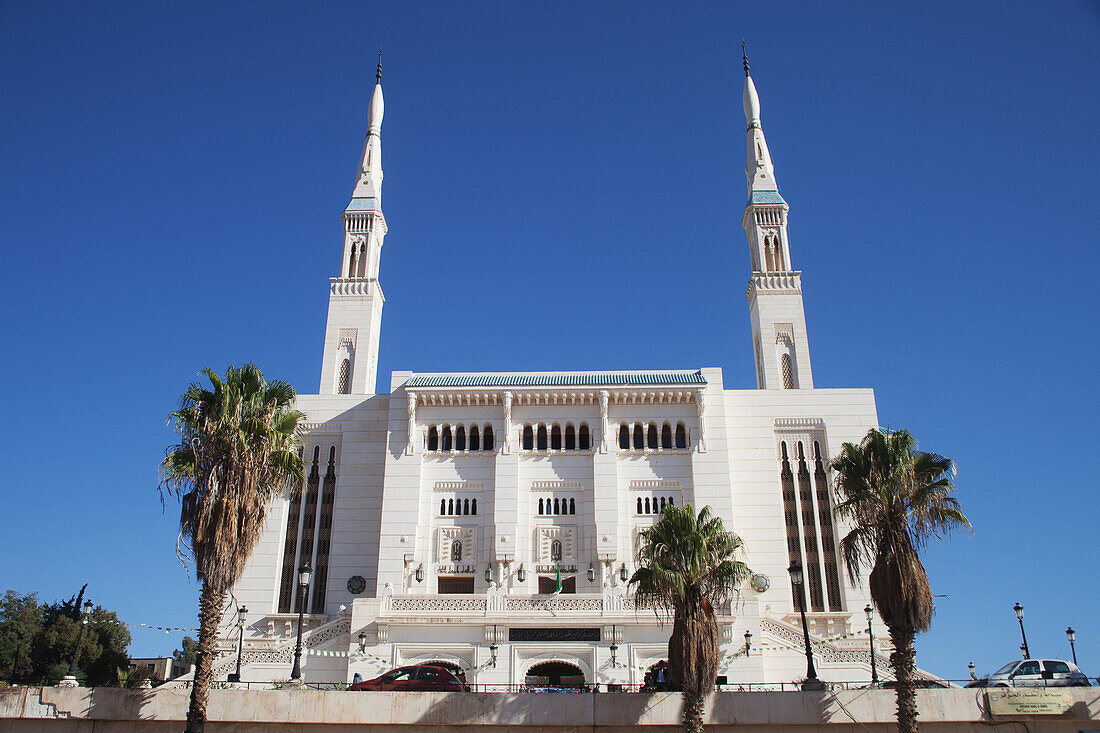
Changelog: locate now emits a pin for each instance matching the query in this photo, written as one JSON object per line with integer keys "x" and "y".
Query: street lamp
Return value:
{"x": 493, "y": 648}
{"x": 304, "y": 574}
{"x": 419, "y": 574}
{"x": 236, "y": 676}
{"x": 1020, "y": 617}
{"x": 362, "y": 642}
{"x": 521, "y": 574}
{"x": 812, "y": 682}
{"x": 623, "y": 574}
{"x": 870, "y": 635}
{"x": 591, "y": 573}
{"x": 748, "y": 642}
{"x": 489, "y": 574}
{"x": 971, "y": 668}
{"x": 1070, "y": 634}
{"x": 614, "y": 645}
{"x": 69, "y": 680}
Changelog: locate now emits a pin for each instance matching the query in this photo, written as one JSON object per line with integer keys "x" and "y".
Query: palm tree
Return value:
{"x": 238, "y": 450}
{"x": 687, "y": 566}
{"x": 896, "y": 498}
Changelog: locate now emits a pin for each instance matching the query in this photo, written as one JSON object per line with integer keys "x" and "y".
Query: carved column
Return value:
{"x": 603, "y": 420}
{"x": 701, "y": 403}
{"x": 507, "y": 422}
{"x": 411, "y": 447}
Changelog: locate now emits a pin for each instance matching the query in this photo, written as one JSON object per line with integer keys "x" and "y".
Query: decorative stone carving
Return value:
{"x": 507, "y": 443}
{"x": 555, "y": 603}
{"x": 410, "y": 447}
{"x": 700, "y": 401}
{"x": 604, "y": 397}
{"x": 445, "y": 538}
{"x": 566, "y": 534}
{"x": 436, "y": 604}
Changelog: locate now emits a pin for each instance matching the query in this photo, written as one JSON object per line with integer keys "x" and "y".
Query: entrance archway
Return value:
{"x": 555, "y": 674}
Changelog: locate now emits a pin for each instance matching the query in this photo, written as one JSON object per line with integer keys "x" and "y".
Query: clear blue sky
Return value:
{"x": 564, "y": 187}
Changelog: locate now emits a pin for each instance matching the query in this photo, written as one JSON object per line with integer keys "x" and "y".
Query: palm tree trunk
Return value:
{"x": 211, "y": 602}
{"x": 903, "y": 659}
{"x": 692, "y": 720}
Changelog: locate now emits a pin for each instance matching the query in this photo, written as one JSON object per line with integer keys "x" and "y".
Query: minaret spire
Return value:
{"x": 775, "y": 289}
{"x": 350, "y": 361}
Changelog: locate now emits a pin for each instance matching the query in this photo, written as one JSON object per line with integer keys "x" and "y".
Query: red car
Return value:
{"x": 419, "y": 678}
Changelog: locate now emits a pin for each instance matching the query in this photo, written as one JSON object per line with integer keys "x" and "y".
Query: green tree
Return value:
{"x": 896, "y": 498}
{"x": 186, "y": 653}
{"x": 688, "y": 564}
{"x": 49, "y": 632}
{"x": 238, "y": 450}
{"x": 20, "y": 622}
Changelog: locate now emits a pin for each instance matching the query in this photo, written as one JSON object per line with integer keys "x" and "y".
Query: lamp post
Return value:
{"x": 1070, "y": 634}
{"x": 236, "y": 676}
{"x": 812, "y": 682}
{"x": 871, "y": 636}
{"x": 1020, "y": 617}
{"x": 971, "y": 668}
{"x": 69, "y": 680}
{"x": 304, "y": 574}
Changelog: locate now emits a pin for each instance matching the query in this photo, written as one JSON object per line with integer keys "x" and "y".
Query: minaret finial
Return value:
{"x": 744, "y": 57}
{"x": 378, "y": 73}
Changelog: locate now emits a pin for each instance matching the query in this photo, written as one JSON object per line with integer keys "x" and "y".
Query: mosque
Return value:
{"x": 489, "y": 521}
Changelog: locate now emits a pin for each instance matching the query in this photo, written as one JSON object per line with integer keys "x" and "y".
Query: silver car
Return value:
{"x": 1038, "y": 673}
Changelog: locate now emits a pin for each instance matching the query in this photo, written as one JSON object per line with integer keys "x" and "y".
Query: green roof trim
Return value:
{"x": 559, "y": 380}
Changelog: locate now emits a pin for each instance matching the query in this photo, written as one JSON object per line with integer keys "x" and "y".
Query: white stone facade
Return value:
{"x": 430, "y": 544}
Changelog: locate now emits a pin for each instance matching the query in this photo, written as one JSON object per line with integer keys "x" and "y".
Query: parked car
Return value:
{"x": 417, "y": 678}
{"x": 1038, "y": 673}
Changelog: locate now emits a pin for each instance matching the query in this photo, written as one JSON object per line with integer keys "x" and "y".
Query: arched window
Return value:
{"x": 555, "y": 438}
{"x": 450, "y": 507}
{"x": 442, "y": 507}
{"x": 475, "y": 439}
{"x": 647, "y": 505}
{"x": 473, "y": 507}
{"x": 466, "y": 507}
{"x": 662, "y": 503}
{"x": 460, "y": 438}
{"x": 666, "y": 436}
{"x": 570, "y": 437}
{"x": 540, "y": 507}
{"x": 651, "y": 437}
{"x": 585, "y": 440}
{"x": 555, "y": 551}
{"x": 540, "y": 443}
{"x": 624, "y": 436}
{"x": 345, "y": 376}
{"x": 788, "y": 371}
{"x": 639, "y": 437}
{"x": 639, "y": 505}
{"x": 445, "y": 443}
{"x": 456, "y": 551}
{"x": 572, "y": 506}
{"x": 433, "y": 438}
{"x": 681, "y": 436}
{"x": 488, "y": 434}
{"x": 671, "y": 502}
{"x": 557, "y": 507}
{"x": 528, "y": 438}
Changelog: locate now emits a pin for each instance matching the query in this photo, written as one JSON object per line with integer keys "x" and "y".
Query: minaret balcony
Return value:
{"x": 352, "y": 286}
{"x": 775, "y": 282}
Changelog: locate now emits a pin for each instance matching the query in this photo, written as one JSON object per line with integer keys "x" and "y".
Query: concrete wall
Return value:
{"x": 106, "y": 709}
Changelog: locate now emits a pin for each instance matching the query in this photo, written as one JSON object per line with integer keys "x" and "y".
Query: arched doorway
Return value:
{"x": 453, "y": 668}
{"x": 555, "y": 674}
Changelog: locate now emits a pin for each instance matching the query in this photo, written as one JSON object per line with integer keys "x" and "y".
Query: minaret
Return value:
{"x": 350, "y": 361}
{"x": 775, "y": 289}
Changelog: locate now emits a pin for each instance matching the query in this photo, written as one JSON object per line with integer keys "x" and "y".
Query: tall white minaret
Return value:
{"x": 350, "y": 361}
{"x": 775, "y": 289}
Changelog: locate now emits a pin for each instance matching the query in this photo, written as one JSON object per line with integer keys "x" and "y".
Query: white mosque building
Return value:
{"x": 441, "y": 516}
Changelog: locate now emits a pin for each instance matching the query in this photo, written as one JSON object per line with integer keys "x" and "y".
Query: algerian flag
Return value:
{"x": 557, "y": 579}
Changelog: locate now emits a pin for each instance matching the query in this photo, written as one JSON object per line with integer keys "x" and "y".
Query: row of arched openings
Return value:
{"x": 457, "y": 507}
{"x": 654, "y": 505}
{"x": 549, "y": 507}
{"x": 446, "y": 439}
{"x": 642, "y": 437}
{"x": 554, "y": 438}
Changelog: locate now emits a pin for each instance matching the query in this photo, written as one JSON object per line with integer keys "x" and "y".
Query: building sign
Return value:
{"x": 455, "y": 569}
{"x": 1029, "y": 701}
{"x": 554, "y": 568}
{"x": 550, "y": 634}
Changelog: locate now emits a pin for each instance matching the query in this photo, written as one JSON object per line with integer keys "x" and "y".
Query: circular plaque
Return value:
{"x": 759, "y": 582}
{"x": 356, "y": 584}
